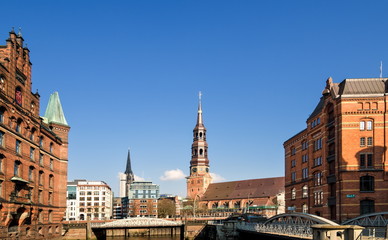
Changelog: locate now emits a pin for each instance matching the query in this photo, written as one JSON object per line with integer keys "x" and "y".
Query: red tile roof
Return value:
{"x": 253, "y": 188}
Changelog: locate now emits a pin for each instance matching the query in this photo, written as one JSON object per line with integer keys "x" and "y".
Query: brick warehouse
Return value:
{"x": 33, "y": 151}
{"x": 336, "y": 167}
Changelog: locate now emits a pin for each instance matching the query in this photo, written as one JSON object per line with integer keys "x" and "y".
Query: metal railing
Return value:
{"x": 295, "y": 230}
{"x": 374, "y": 233}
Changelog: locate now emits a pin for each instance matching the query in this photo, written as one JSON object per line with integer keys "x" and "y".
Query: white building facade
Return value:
{"x": 89, "y": 200}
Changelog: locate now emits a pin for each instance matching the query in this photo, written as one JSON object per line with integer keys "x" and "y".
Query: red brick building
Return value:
{"x": 337, "y": 166}
{"x": 33, "y": 151}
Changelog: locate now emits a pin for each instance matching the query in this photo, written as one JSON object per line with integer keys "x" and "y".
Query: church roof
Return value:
{"x": 253, "y": 188}
{"x": 54, "y": 112}
{"x": 128, "y": 169}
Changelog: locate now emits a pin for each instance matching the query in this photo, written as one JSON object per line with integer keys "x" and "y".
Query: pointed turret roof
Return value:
{"x": 199, "y": 117}
{"x": 128, "y": 170}
{"x": 54, "y": 112}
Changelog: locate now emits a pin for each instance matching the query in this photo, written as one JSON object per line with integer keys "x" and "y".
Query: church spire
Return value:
{"x": 128, "y": 170}
{"x": 199, "y": 178}
{"x": 199, "y": 117}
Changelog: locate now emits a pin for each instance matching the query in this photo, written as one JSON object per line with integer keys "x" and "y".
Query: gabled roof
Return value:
{"x": 54, "y": 112}
{"x": 253, "y": 188}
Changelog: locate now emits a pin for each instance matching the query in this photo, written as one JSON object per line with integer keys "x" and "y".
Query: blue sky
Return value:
{"x": 128, "y": 74}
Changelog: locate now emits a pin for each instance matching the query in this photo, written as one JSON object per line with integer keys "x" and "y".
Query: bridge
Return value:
{"x": 138, "y": 226}
{"x": 300, "y": 225}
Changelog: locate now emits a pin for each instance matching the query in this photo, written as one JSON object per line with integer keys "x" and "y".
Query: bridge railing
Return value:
{"x": 295, "y": 230}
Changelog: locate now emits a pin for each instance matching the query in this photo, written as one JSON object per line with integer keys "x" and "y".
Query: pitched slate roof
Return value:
{"x": 362, "y": 86}
{"x": 253, "y": 188}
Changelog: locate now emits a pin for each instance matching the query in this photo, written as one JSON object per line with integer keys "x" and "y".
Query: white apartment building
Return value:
{"x": 89, "y": 199}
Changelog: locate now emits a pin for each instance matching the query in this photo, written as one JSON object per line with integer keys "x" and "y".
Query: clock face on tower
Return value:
{"x": 194, "y": 169}
{"x": 207, "y": 169}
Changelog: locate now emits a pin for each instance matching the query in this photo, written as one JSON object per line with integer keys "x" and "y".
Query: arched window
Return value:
{"x": 51, "y": 181}
{"x": 41, "y": 177}
{"x": 31, "y": 173}
{"x": 32, "y": 136}
{"x": 367, "y": 184}
{"x": 18, "y": 127}
{"x": 200, "y": 151}
{"x": 19, "y": 96}
{"x": 51, "y": 147}
{"x": 305, "y": 191}
{"x": 293, "y": 193}
{"x": 16, "y": 168}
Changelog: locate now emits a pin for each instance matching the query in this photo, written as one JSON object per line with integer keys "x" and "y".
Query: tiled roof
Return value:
{"x": 254, "y": 188}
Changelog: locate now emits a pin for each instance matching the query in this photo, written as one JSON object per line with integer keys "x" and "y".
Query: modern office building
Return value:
{"x": 337, "y": 166}
{"x": 89, "y": 200}
{"x": 33, "y": 151}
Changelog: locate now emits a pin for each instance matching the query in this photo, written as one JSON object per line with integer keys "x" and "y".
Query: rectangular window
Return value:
{"x": 17, "y": 149}
{"x": 1, "y": 139}
{"x": 362, "y": 142}
{"x": 362, "y": 126}
{"x": 305, "y": 173}
{"x": 293, "y": 176}
{"x": 41, "y": 159}
{"x": 318, "y": 144}
{"x": 293, "y": 164}
{"x": 370, "y": 141}
{"x": 367, "y": 184}
{"x": 293, "y": 151}
{"x": 317, "y": 178}
{"x": 305, "y": 158}
{"x": 16, "y": 168}
{"x": 318, "y": 198}
{"x": 32, "y": 153}
{"x": 366, "y": 161}
{"x": 369, "y": 125}
{"x": 317, "y": 161}
{"x": 40, "y": 197}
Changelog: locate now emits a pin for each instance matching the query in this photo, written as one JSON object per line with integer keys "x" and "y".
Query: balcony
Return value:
{"x": 13, "y": 197}
{"x": 330, "y": 122}
{"x": 331, "y": 179}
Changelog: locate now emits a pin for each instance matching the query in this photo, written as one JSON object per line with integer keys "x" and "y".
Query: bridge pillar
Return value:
{"x": 339, "y": 232}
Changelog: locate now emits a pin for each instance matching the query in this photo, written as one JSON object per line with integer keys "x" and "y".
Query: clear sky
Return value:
{"x": 129, "y": 72}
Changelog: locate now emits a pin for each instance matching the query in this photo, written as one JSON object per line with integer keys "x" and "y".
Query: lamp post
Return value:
{"x": 247, "y": 210}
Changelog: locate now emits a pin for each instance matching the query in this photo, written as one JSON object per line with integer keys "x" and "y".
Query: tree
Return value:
{"x": 166, "y": 207}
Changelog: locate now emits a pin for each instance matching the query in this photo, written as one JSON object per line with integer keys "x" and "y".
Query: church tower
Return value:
{"x": 199, "y": 178}
{"x": 126, "y": 178}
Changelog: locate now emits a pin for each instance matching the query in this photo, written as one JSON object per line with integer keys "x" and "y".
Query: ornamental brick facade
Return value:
{"x": 33, "y": 152}
{"x": 336, "y": 167}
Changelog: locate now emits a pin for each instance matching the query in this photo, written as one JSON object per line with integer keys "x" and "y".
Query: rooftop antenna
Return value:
{"x": 381, "y": 69}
